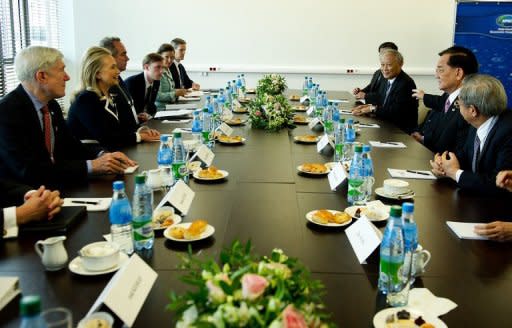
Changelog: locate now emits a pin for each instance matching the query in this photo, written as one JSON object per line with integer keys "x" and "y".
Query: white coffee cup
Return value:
{"x": 154, "y": 178}
{"x": 97, "y": 319}
{"x": 396, "y": 186}
{"x": 420, "y": 259}
{"x": 99, "y": 256}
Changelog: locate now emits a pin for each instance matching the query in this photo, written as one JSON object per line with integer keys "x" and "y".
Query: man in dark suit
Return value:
{"x": 21, "y": 205}
{"x": 143, "y": 87}
{"x": 126, "y": 108}
{"x": 393, "y": 102}
{"x": 444, "y": 128}
{"x": 178, "y": 72}
{"x": 488, "y": 147}
{"x": 377, "y": 78}
{"x": 36, "y": 147}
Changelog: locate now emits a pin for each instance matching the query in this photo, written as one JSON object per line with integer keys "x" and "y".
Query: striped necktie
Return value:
{"x": 447, "y": 105}
{"x": 476, "y": 154}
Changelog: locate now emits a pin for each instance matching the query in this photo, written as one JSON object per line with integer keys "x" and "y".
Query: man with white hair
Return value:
{"x": 488, "y": 147}
{"x": 36, "y": 146}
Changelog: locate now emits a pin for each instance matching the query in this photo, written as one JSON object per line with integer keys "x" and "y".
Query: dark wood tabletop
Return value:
{"x": 265, "y": 200}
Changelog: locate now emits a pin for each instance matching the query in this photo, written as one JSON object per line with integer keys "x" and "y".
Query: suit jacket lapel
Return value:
{"x": 489, "y": 138}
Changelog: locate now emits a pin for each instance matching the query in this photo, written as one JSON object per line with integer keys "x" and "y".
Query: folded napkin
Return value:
{"x": 387, "y": 144}
{"x": 411, "y": 174}
{"x": 131, "y": 169}
{"x": 102, "y": 204}
{"x": 423, "y": 299}
{"x": 465, "y": 230}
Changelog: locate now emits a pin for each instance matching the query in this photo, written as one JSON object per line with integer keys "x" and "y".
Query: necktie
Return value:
{"x": 388, "y": 88}
{"x": 182, "y": 84}
{"x": 476, "y": 154}
{"x": 447, "y": 105}
{"x": 47, "y": 129}
{"x": 147, "y": 97}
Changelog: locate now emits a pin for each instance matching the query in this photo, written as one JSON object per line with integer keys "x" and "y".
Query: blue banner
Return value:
{"x": 486, "y": 29}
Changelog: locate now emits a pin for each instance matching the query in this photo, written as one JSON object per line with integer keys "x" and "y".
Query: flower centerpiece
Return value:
{"x": 249, "y": 291}
{"x": 270, "y": 110}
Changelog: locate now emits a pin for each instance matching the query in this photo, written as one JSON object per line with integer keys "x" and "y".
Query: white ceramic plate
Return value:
{"x": 379, "y": 320}
{"x": 194, "y": 166}
{"x": 77, "y": 267}
{"x": 306, "y": 121}
{"x": 299, "y": 139}
{"x": 382, "y": 216}
{"x": 224, "y": 175}
{"x": 210, "y": 230}
{"x": 240, "y": 111}
{"x": 309, "y": 217}
{"x": 301, "y": 169}
{"x": 176, "y": 218}
{"x": 231, "y": 142}
{"x": 381, "y": 192}
{"x": 234, "y": 123}
{"x": 300, "y": 108}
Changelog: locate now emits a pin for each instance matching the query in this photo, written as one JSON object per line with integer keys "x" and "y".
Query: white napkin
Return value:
{"x": 465, "y": 230}
{"x": 423, "y": 299}
{"x": 180, "y": 98}
{"x": 103, "y": 203}
{"x": 390, "y": 144}
{"x": 407, "y": 174}
{"x": 176, "y": 121}
{"x": 131, "y": 169}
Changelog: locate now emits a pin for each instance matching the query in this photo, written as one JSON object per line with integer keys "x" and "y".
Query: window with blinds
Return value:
{"x": 24, "y": 23}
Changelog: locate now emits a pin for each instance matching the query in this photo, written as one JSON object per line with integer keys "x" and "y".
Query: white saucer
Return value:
{"x": 309, "y": 217}
{"x": 175, "y": 217}
{"x": 210, "y": 230}
{"x": 380, "y": 191}
{"x": 379, "y": 320}
{"x": 76, "y": 266}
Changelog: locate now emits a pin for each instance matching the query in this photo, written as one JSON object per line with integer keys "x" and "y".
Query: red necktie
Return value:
{"x": 47, "y": 129}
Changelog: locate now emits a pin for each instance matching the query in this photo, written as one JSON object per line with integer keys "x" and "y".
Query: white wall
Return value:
{"x": 322, "y": 38}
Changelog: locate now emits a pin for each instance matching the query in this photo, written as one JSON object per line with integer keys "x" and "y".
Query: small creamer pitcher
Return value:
{"x": 52, "y": 252}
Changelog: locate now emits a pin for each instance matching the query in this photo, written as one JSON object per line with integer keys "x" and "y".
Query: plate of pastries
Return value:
{"x": 308, "y": 138}
{"x": 210, "y": 173}
{"x": 314, "y": 168}
{"x": 234, "y": 121}
{"x": 329, "y": 218}
{"x": 189, "y": 231}
{"x": 301, "y": 120}
{"x": 231, "y": 139}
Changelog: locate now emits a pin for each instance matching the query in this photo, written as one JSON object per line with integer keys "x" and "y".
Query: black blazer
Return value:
{"x": 125, "y": 105}
{"x": 137, "y": 87}
{"x": 187, "y": 82}
{"x": 11, "y": 194}
{"x": 89, "y": 119}
{"x": 496, "y": 155}
{"x": 23, "y": 154}
{"x": 400, "y": 108}
{"x": 443, "y": 131}
{"x": 373, "y": 88}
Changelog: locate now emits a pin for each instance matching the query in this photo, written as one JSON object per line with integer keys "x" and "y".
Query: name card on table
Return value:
{"x": 180, "y": 197}
{"x": 127, "y": 291}
{"x": 236, "y": 103}
{"x": 226, "y": 129}
{"x": 324, "y": 142}
{"x": 310, "y": 110}
{"x": 314, "y": 122}
{"x": 337, "y": 175}
{"x": 227, "y": 115}
{"x": 364, "y": 238}
{"x": 204, "y": 154}
{"x": 303, "y": 99}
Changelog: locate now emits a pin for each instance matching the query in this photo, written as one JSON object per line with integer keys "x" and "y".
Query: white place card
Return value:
{"x": 364, "y": 238}
{"x": 180, "y": 197}
{"x": 237, "y": 104}
{"x": 323, "y": 142}
{"x": 412, "y": 174}
{"x": 205, "y": 155}
{"x": 227, "y": 115}
{"x": 226, "y": 129}
{"x": 314, "y": 122}
{"x": 127, "y": 291}
{"x": 180, "y": 98}
{"x": 337, "y": 175}
{"x": 303, "y": 99}
{"x": 310, "y": 110}
{"x": 131, "y": 169}
{"x": 9, "y": 288}
{"x": 465, "y": 230}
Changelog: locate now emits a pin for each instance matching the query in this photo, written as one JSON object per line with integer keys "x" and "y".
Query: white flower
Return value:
{"x": 215, "y": 293}
{"x": 188, "y": 318}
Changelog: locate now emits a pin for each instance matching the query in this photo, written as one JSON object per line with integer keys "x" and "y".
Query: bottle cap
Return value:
{"x": 164, "y": 138}
{"x": 366, "y": 148}
{"x": 30, "y": 305}
{"x": 395, "y": 211}
{"x": 140, "y": 179}
{"x": 205, "y": 110}
{"x": 118, "y": 185}
{"x": 342, "y": 120}
{"x": 350, "y": 121}
{"x": 408, "y": 207}
{"x": 358, "y": 149}
{"x": 178, "y": 134}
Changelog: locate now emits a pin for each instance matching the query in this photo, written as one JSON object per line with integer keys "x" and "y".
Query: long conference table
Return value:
{"x": 265, "y": 200}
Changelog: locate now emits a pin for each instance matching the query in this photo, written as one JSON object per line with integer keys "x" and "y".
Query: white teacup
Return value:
{"x": 99, "y": 256}
{"x": 420, "y": 259}
{"x": 396, "y": 186}
{"x": 154, "y": 178}
{"x": 97, "y": 319}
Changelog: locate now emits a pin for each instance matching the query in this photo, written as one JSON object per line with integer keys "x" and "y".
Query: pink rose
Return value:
{"x": 257, "y": 113}
{"x": 293, "y": 318}
{"x": 253, "y": 286}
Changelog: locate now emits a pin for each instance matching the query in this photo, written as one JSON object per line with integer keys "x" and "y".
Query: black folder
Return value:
{"x": 60, "y": 223}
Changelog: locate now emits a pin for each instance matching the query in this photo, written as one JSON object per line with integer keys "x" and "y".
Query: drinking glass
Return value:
{"x": 59, "y": 317}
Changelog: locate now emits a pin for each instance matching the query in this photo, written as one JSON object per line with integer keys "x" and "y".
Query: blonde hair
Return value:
{"x": 92, "y": 62}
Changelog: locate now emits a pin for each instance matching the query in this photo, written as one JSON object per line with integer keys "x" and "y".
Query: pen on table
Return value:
{"x": 389, "y": 143}
{"x": 417, "y": 172}
{"x": 84, "y": 202}
{"x": 364, "y": 124}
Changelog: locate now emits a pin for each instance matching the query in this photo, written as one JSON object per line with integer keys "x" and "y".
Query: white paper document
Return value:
{"x": 176, "y": 121}
{"x": 364, "y": 238}
{"x": 338, "y": 101}
{"x": 387, "y": 144}
{"x": 9, "y": 288}
{"x": 189, "y": 98}
{"x": 173, "y": 113}
{"x": 180, "y": 106}
{"x": 92, "y": 204}
{"x": 195, "y": 93}
{"x": 412, "y": 174}
{"x": 131, "y": 169}
{"x": 465, "y": 230}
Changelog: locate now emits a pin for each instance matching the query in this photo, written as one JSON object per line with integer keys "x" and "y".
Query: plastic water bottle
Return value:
{"x": 411, "y": 237}
{"x": 143, "y": 235}
{"x": 179, "y": 159}
{"x": 368, "y": 172}
{"x": 350, "y": 138}
{"x": 30, "y": 311}
{"x": 320, "y": 108}
{"x": 339, "y": 140}
{"x": 121, "y": 219}
{"x": 305, "y": 86}
{"x": 310, "y": 83}
{"x": 164, "y": 160}
{"x": 335, "y": 116}
{"x": 234, "y": 90}
{"x": 392, "y": 255}
{"x": 197, "y": 127}
{"x": 207, "y": 128}
{"x": 328, "y": 120}
{"x": 244, "y": 83}
{"x": 240, "y": 88}
{"x": 355, "y": 194}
